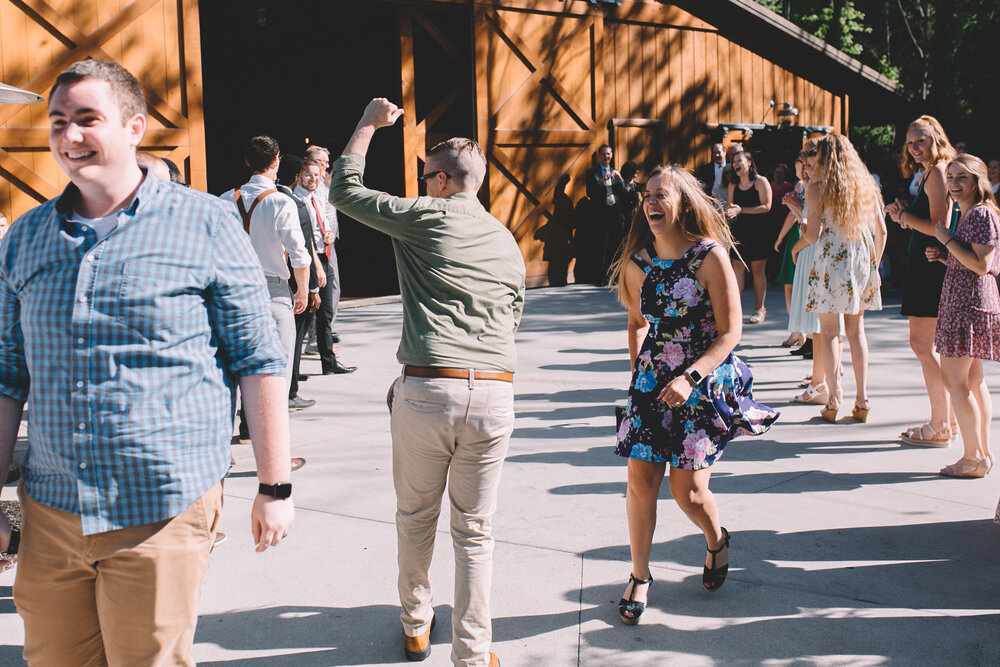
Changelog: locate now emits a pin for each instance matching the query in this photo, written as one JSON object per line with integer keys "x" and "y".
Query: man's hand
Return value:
{"x": 301, "y": 299}
{"x": 314, "y": 301}
{"x": 380, "y": 112}
{"x": 330, "y": 237}
{"x": 270, "y": 520}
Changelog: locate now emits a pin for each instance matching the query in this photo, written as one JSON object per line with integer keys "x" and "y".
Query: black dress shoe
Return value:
{"x": 338, "y": 369}
{"x": 299, "y": 403}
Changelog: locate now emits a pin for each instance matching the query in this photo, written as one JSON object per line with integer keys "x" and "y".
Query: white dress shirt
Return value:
{"x": 274, "y": 227}
{"x": 719, "y": 187}
{"x": 312, "y": 204}
{"x": 329, "y": 213}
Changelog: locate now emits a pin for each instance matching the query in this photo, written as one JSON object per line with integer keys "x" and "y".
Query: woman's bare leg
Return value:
{"x": 690, "y": 491}
{"x": 922, "y": 344}
{"x": 644, "y": 480}
{"x": 854, "y": 326}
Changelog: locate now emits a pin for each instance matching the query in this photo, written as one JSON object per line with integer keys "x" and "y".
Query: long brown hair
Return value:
{"x": 941, "y": 148}
{"x": 698, "y": 217}
{"x": 976, "y": 167}
{"x": 848, "y": 191}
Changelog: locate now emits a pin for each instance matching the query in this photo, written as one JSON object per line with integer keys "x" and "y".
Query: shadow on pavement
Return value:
{"x": 366, "y": 635}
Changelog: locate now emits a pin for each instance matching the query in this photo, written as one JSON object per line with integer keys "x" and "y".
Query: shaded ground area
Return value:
{"x": 847, "y": 546}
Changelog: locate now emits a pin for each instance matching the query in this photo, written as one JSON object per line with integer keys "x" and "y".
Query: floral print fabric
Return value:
{"x": 969, "y": 314}
{"x": 681, "y": 328}
{"x": 844, "y": 277}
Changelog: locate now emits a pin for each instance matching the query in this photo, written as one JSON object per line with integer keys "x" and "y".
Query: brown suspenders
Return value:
{"x": 244, "y": 213}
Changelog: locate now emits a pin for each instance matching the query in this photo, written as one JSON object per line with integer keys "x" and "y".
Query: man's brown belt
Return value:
{"x": 455, "y": 373}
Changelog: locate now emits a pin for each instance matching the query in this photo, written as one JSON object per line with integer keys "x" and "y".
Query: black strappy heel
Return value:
{"x": 631, "y": 606}
{"x": 713, "y": 577}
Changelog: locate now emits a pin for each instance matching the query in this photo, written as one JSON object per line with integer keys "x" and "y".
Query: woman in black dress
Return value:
{"x": 749, "y": 198}
{"x": 927, "y": 149}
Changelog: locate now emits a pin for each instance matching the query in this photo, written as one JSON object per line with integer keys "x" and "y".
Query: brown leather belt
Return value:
{"x": 456, "y": 373}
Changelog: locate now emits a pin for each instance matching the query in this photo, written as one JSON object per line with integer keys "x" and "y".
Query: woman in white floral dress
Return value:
{"x": 844, "y": 198}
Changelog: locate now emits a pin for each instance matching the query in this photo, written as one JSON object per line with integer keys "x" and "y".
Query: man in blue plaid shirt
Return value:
{"x": 130, "y": 308}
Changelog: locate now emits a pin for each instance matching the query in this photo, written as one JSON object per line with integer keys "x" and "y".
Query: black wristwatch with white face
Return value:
{"x": 281, "y": 490}
{"x": 693, "y": 377}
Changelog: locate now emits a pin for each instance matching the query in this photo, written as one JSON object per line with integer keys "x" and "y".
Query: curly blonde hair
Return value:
{"x": 698, "y": 217}
{"x": 941, "y": 148}
{"x": 848, "y": 192}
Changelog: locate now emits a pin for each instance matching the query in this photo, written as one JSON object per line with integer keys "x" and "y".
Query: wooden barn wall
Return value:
{"x": 550, "y": 75}
{"x": 157, "y": 40}
{"x": 688, "y": 78}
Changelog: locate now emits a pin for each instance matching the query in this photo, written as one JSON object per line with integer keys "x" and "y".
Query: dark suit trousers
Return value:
{"x": 329, "y": 297}
{"x": 302, "y": 323}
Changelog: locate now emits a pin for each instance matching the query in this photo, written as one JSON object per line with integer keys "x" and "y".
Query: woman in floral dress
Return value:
{"x": 845, "y": 201}
{"x": 968, "y": 324}
{"x": 689, "y": 394}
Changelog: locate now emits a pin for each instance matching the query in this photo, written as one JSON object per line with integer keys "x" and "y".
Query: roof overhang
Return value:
{"x": 786, "y": 44}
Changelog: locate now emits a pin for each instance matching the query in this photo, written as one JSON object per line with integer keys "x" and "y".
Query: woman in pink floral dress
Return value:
{"x": 689, "y": 395}
{"x": 968, "y": 326}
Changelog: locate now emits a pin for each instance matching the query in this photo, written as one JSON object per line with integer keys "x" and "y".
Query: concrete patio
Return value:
{"x": 847, "y": 548}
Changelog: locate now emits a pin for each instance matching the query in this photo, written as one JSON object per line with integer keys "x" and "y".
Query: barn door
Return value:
{"x": 541, "y": 116}
{"x": 157, "y": 40}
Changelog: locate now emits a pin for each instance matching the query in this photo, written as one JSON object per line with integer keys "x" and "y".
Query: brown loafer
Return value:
{"x": 419, "y": 647}
{"x": 494, "y": 660}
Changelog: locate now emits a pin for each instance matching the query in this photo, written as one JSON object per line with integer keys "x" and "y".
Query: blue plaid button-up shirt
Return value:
{"x": 128, "y": 350}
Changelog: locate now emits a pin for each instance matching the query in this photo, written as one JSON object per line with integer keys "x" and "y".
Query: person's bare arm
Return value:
{"x": 265, "y": 403}
{"x": 785, "y": 228}
{"x": 815, "y": 226}
{"x": 10, "y": 419}
{"x": 637, "y": 324}
{"x": 977, "y": 257}
{"x": 937, "y": 197}
{"x": 380, "y": 112}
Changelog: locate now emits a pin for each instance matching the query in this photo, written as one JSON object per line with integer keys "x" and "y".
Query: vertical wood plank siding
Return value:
{"x": 157, "y": 40}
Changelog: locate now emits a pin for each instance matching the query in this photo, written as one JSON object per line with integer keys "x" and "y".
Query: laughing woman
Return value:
{"x": 968, "y": 324}
{"x": 689, "y": 394}
{"x": 927, "y": 150}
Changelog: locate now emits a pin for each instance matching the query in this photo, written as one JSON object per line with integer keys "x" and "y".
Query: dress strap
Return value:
{"x": 697, "y": 253}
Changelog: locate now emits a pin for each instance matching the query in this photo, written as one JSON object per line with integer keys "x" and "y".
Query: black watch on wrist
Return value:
{"x": 693, "y": 377}
{"x": 281, "y": 490}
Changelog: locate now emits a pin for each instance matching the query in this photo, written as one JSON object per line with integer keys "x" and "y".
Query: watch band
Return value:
{"x": 281, "y": 490}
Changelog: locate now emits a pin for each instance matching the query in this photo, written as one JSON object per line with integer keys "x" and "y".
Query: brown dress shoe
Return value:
{"x": 494, "y": 660}
{"x": 297, "y": 462}
{"x": 419, "y": 647}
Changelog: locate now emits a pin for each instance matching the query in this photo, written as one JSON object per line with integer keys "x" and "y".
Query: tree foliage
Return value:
{"x": 945, "y": 54}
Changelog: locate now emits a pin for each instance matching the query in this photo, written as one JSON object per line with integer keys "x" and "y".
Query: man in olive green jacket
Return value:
{"x": 461, "y": 276}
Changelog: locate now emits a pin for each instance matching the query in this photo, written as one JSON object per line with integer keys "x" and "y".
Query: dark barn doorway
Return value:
{"x": 303, "y": 71}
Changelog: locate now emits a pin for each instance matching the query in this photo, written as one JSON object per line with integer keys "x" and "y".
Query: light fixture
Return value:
{"x": 12, "y": 95}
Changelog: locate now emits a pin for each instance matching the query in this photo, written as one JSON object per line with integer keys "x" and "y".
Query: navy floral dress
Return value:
{"x": 681, "y": 328}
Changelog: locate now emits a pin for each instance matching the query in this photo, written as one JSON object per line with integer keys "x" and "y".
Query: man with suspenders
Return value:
{"x": 272, "y": 221}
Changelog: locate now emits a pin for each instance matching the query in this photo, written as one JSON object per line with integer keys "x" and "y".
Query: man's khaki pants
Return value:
{"x": 455, "y": 432}
{"x": 125, "y": 597}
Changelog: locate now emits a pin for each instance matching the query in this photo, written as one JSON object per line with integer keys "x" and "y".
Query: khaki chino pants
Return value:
{"x": 454, "y": 432}
{"x": 126, "y": 597}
